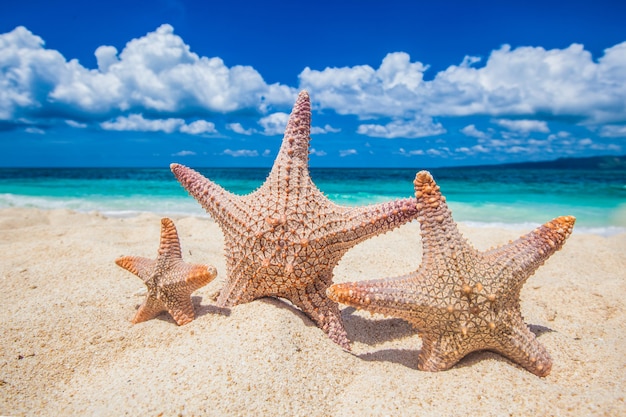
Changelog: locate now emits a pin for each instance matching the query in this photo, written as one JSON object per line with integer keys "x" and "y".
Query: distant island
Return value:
{"x": 607, "y": 162}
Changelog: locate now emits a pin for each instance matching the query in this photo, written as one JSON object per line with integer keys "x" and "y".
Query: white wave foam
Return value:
{"x": 133, "y": 206}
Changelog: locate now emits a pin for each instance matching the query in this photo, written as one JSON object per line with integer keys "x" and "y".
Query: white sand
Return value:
{"x": 67, "y": 346}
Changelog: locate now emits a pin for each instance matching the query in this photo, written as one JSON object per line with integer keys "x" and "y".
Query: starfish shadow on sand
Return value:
{"x": 202, "y": 310}
{"x": 408, "y": 357}
{"x": 284, "y": 304}
{"x": 373, "y": 332}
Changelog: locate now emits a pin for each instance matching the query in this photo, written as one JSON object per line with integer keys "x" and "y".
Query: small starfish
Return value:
{"x": 285, "y": 238}
{"x": 459, "y": 299}
{"x": 170, "y": 281}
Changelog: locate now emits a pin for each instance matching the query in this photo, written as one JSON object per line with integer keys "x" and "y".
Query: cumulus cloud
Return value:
{"x": 559, "y": 135}
{"x": 184, "y": 153}
{"x": 524, "y": 126}
{"x": 413, "y": 152}
{"x": 74, "y": 123}
{"x": 317, "y": 152}
{"x": 472, "y": 150}
{"x": 136, "y": 122}
{"x": 156, "y": 72}
{"x": 316, "y": 130}
{"x": 415, "y": 128}
{"x": 613, "y": 131}
{"x": 365, "y": 91}
{"x": 238, "y": 128}
{"x": 347, "y": 152}
{"x": 159, "y": 75}
{"x": 198, "y": 127}
{"x": 472, "y": 131}
{"x": 522, "y": 81}
{"x": 274, "y": 124}
{"x": 35, "y": 131}
{"x": 241, "y": 152}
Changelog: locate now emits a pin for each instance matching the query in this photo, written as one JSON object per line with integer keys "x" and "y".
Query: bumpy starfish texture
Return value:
{"x": 170, "y": 281}
{"x": 459, "y": 299}
{"x": 285, "y": 238}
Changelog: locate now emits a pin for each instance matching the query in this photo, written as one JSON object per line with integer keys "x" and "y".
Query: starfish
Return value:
{"x": 462, "y": 300}
{"x": 170, "y": 281}
{"x": 284, "y": 239}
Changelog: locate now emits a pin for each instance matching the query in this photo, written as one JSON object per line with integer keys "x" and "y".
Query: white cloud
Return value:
{"x": 521, "y": 81}
{"x": 238, "y": 128}
{"x": 241, "y": 152}
{"x": 472, "y": 131}
{"x": 412, "y": 152}
{"x": 274, "y": 124}
{"x": 365, "y": 91}
{"x": 473, "y": 150}
{"x": 590, "y": 144}
{"x": 524, "y": 126}
{"x": 317, "y": 152}
{"x": 315, "y": 130}
{"x": 415, "y": 128}
{"x": 35, "y": 131}
{"x": 184, "y": 153}
{"x": 136, "y": 122}
{"x": 559, "y": 135}
{"x": 75, "y": 124}
{"x": 198, "y": 127}
{"x": 347, "y": 152}
{"x": 613, "y": 131}
{"x": 516, "y": 149}
{"x": 156, "y": 72}
{"x": 435, "y": 152}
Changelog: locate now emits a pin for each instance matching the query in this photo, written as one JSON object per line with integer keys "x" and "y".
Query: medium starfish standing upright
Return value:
{"x": 459, "y": 299}
{"x": 170, "y": 281}
{"x": 285, "y": 238}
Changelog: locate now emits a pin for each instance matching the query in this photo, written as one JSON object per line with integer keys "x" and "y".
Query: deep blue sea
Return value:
{"x": 478, "y": 196}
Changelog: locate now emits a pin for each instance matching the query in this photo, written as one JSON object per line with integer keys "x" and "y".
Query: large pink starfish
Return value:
{"x": 462, "y": 300}
{"x": 285, "y": 238}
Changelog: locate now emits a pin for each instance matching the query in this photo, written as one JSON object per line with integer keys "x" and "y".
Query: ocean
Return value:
{"x": 483, "y": 197}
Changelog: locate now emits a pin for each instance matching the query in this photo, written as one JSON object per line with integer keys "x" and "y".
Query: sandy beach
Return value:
{"x": 67, "y": 346}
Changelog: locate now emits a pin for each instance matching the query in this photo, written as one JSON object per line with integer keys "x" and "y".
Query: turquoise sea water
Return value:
{"x": 479, "y": 196}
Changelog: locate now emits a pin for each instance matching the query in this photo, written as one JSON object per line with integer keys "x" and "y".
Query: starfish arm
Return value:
{"x": 397, "y": 297}
{"x": 376, "y": 219}
{"x": 222, "y": 205}
{"x": 235, "y": 291}
{"x": 142, "y": 267}
{"x": 199, "y": 276}
{"x": 440, "y": 352}
{"x": 150, "y": 308}
{"x": 170, "y": 244}
{"x": 294, "y": 149}
{"x": 524, "y": 255}
{"x": 324, "y": 312}
{"x": 521, "y": 346}
{"x": 439, "y": 232}
{"x": 180, "y": 307}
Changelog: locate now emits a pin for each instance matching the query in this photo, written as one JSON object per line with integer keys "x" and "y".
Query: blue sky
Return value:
{"x": 392, "y": 83}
